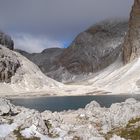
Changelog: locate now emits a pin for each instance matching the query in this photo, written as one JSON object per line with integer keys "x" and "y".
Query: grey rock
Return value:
{"x": 6, "y": 41}
{"x": 6, "y": 108}
{"x": 8, "y": 64}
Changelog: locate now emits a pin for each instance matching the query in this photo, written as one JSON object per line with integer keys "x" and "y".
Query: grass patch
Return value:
{"x": 133, "y": 134}
{"x": 133, "y": 122}
{"x": 131, "y": 131}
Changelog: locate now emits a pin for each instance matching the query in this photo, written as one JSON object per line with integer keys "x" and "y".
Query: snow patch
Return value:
{"x": 6, "y": 129}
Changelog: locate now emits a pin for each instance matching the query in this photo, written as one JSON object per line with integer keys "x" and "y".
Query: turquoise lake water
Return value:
{"x": 69, "y": 102}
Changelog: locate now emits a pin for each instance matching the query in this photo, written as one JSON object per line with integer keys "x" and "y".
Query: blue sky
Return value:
{"x": 38, "y": 24}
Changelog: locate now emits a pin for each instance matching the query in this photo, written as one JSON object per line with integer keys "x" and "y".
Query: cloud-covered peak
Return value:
{"x": 59, "y": 18}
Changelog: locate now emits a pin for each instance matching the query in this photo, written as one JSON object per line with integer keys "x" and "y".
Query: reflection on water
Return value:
{"x": 69, "y": 102}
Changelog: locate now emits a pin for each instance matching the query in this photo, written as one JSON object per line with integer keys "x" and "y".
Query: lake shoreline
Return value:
{"x": 60, "y": 103}
{"x": 66, "y": 95}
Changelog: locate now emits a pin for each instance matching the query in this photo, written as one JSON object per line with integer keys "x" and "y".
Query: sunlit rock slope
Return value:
{"x": 21, "y": 75}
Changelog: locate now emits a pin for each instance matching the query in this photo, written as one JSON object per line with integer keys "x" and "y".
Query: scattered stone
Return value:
{"x": 119, "y": 122}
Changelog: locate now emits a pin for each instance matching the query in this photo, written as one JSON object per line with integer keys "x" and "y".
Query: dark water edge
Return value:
{"x": 69, "y": 102}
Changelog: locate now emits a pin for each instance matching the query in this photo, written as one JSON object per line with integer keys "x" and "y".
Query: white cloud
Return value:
{"x": 31, "y": 43}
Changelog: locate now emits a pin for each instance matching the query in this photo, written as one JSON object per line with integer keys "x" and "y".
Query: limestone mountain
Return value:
{"x": 91, "y": 51}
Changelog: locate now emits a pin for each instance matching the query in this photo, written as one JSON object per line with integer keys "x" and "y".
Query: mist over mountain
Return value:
{"x": 91, "y": 51}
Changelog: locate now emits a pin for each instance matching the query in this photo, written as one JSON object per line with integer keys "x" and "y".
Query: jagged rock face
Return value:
{"x": 131, "y": 47}
{"x": 6, "y": 41}
{"x": 94, "y": 49}
{"x": 8, "y": 65}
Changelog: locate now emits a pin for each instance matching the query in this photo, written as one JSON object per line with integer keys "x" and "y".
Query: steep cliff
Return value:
{"x": 131, "y": 47}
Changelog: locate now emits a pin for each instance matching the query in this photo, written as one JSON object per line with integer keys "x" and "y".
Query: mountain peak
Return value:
{"x": 131, "y": 47}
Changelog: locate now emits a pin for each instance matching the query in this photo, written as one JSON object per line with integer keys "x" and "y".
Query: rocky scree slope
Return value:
{"x": 91, "y": 123}
{"x": 18, "y": 74}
